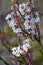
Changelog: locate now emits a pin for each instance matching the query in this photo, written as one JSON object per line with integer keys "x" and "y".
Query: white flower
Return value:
{"x": 27, "y": 16}
{"x": 19, "y": 30}
{"x": 26, "y": 45}
{"x": 21, "y": 8}
{"x": 10, "y": 20}
{"x": 26, "y": 25}
{"x": 8, "y": 16}
{"x": 16, "y": 30}
{"x": 37, "y": 14}
{"x": 29, "y": 27}
{"x": 33, "y": 32}
{"x": 17, "y": 51}
{"x": 32, "y": 20}
{"x": 26, "y": 41}
{"x": 28, "y": 9}
{"x": 11, "y": 24}
{"x": 37, "y": 19}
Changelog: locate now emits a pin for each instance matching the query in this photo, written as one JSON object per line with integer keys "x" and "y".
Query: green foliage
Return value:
{"x": 21, "y": 59}
{"x": 8, "y": 30}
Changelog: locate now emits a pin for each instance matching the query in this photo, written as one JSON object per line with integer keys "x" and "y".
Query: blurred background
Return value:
{"x": 5, "y": 6}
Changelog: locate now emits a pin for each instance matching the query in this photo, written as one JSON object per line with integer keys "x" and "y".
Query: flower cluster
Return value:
{"x": 23, "y": 12}
{"x": 17, "y": 51}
